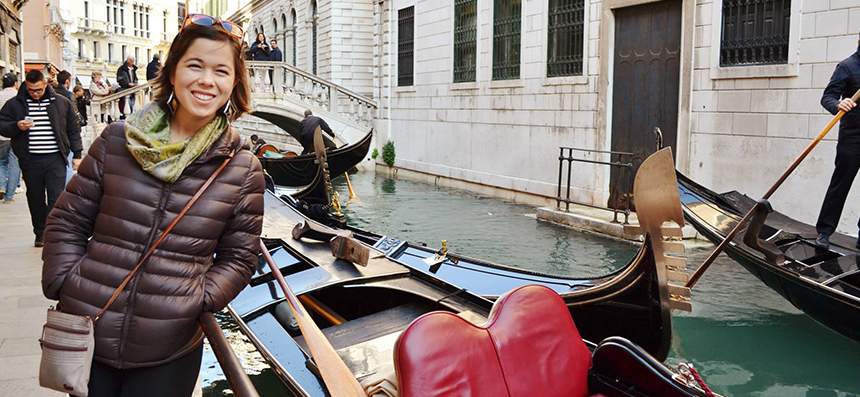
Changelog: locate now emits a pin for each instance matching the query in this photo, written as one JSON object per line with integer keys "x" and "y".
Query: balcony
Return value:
{"x": 166, "y": 39}
{"x": 93, "y": 27}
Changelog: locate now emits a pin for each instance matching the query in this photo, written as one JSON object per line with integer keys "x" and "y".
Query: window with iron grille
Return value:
{"x": 405, "y": 46}
{"x": 314, "y": 37}
{"x": 565, "y": 38}
{"x": 465, "y": 39}
{"x": 755, "y": 32}
{"x": 506, "y": 39}
{"x": 295, "y": 40}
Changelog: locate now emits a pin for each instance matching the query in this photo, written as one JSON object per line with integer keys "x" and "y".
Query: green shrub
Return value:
{"x": 374, "y": 154}
{"x": 388, "y": 153}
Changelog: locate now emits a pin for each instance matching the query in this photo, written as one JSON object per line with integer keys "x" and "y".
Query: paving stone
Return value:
{"x": 20, "y": 367}
{"x": 19, "y": 347}
{"x": 26, "y": 387}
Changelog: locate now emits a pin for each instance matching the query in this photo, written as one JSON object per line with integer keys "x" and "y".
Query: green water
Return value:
{"x": 743, "y": 338}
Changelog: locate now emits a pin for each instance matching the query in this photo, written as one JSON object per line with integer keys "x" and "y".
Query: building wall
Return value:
{"x": 739, "y": 127}
{"x": 98, "y": 35}
{"x": 499, "y": 133}
{"x": 747, "y": 130}
{"x": 11, "y": 50}
{"x": 344, "y": 36}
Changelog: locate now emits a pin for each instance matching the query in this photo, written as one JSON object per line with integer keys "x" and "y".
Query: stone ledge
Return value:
{"x": 599, "y": 221}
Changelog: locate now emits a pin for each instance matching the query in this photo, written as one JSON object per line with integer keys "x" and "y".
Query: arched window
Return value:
{"x": 295, "y": 37}
{"x": 314, "y": 38}
{"x": 284, "y": 37}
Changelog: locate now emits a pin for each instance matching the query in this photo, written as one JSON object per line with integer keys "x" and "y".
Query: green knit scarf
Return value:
{"x": 147, "y": 132}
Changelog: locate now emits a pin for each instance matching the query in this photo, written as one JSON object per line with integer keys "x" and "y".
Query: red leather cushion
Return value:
{"x": 528, "y": 347}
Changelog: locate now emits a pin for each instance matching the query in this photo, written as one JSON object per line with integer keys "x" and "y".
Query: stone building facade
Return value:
{"x": 486, "y": 91}
{"x": 102, "y": 33}
{"x": 11, "y": 51}
{"x": 331, "y": 39}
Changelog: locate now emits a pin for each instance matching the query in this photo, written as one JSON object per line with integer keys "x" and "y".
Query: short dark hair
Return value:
{"x": 308, "y": 113}
{"x": 78, "y": 88}
{"x": 9, "y": 80}
{"x": 239, "y": 98}
{"x": 63, "y": 77}
{"x": 254, "y": 137}
{"x": 274, "y": 41}
{"x": 34, "y": 76}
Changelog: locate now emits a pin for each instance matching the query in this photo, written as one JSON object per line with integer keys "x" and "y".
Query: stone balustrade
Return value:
{"x": 279, "y": 79}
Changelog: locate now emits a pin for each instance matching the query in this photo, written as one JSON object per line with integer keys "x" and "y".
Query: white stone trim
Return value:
{"x": 510, "y": 83}
{"x": 791, "y": 69}
{"x": 395, "y": 48}
{"x": 565, "y": 80}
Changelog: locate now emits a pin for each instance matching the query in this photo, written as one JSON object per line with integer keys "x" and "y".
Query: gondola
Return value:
{"x": 823, "y": 283}
{"x": 293, "y": 171}
{"x": 365, "y": 308}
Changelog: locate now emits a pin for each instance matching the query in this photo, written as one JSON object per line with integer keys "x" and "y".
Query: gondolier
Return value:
{"x": 308, "y": 125}
{"x": 837, "y": 96}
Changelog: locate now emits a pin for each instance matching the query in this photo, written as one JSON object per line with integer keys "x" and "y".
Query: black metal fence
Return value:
{"x": 623, "y": 185}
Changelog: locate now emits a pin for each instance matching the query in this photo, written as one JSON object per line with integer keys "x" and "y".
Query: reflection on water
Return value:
{"x": 744, "y": 338}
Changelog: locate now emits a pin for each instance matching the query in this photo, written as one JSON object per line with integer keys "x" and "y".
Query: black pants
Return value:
{"x": 174, "y": 379}
{"x": 847, "y": 165}
{"x": 43, "y": 173}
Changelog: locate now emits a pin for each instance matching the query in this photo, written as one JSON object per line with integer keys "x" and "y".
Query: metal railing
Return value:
{"x": 625, "y": 169}
{"x": 283, "y": 79}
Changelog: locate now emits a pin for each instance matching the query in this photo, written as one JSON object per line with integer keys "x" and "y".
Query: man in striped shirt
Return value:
{"x": 44, "y": 130}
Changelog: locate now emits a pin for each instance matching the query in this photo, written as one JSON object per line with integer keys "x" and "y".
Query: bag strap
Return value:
{"x": 164, "y": 234}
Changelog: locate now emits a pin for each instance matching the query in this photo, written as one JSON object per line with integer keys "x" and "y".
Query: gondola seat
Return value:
{"x": 529, "y": 346}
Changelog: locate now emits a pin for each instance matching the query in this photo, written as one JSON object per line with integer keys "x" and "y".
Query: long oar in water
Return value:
{"x": 346, "y": 174}
{"x": 337, "y": 377}
{"x": 698, "y": 274}
{"x": 237, "y": 378}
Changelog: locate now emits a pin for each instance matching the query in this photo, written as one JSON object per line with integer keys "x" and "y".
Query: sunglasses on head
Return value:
{"x": 205, "y": 20}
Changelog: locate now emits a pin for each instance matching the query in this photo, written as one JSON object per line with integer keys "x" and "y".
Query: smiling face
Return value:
{"x": 204, "y": 78}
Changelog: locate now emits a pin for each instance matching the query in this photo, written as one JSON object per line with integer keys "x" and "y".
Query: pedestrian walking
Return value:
{"x": 64, "y": 81}
{"x": 100, "y": 88}
{"x": 837, "y": 96}
{"x": 126, "y": 77}
{"x": 10, "y": 174}
{"x": 138, "y": 175}
{"x": 153, "y": 67}
{"x": 308, "y": 125}
{"x": 44, "y": 130}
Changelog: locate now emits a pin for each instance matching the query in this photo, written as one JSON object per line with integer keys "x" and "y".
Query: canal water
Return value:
{"x": 744, "y": 339}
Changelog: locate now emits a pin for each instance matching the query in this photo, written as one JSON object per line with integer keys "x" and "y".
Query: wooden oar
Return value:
{"x": 346, "y": 174}
{"x": 336, "y": 376}
{"x": 698, "y": 274}
{"x": 237, "y": 378}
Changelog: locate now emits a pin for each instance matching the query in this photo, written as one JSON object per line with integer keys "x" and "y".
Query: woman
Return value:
{"x": 260, "y": 48}
{"x": 99, "y": 88}
{"x": 81, "y": 103}
{"x": 137, "y": 177}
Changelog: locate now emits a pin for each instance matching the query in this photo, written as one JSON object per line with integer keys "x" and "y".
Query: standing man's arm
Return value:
{"x": 832, "y": 97}
{"x": 326, "y": 128}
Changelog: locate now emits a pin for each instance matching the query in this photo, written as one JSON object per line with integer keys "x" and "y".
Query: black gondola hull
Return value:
{"x": 833, "y": 300}
{"x": 302, "y": 170}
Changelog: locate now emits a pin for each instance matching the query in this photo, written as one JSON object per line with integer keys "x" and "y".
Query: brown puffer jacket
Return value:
{"x": 114, "y": 201}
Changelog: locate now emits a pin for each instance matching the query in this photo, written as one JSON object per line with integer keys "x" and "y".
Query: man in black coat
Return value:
{"x": 153, "y": 67}
{"x": 308, "y": 125}
{"x": 275, "y": 55}
{"x": 837, "y": 96}
{"x": 44, "y": 129}
{"x": 126, "y": 77}
{"x": 64, "y": 81}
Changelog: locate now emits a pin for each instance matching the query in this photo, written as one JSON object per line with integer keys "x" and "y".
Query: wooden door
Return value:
{"x": 645, "y": 85}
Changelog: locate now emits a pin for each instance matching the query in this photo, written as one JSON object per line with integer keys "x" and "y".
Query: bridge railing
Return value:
{"x": 109, "y": 105}
{"x": 283, "y": 79}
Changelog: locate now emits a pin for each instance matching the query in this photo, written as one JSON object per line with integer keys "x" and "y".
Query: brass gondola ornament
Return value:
{"x": 658, "y": 205}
